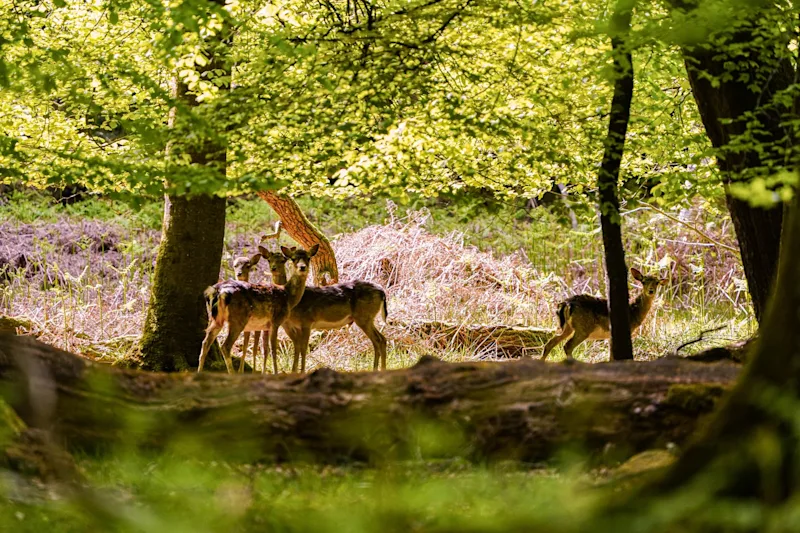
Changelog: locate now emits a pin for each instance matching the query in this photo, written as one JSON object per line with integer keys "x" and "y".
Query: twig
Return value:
{"x": 681, "y": 222}
{"x": 701, "y": 337}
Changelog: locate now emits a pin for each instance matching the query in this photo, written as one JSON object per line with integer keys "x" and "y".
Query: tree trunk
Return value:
{"x": 607, "y": 178}
{"x": 190, "y": 253}
{"x": 306, "y": 235}
{"x": 748, "y": 449}
{"x": 521, "y": 409}
{"x": 728, "y": 97}
{"x": 189, "y": 259}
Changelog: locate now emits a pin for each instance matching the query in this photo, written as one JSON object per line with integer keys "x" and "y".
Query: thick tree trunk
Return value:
{"x": 761, "y": 411}
{"x": 188, "y": 261}
{"x": 190, "y": 252}
{"x": 521, "y": 409}
{"x": 730, "y": 90}
{"x": 607, "y": 178}
{"x": 306, "y": 235}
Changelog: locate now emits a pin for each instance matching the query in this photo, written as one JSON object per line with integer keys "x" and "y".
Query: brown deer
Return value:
{"x": 336, "y": 306}
{"x": 584, "y": 317}
{"x": 245, "y": 306}
{"x": 333, "y": 307}
{"x": 243, "y": 266}
{"x": 277, "y": 267}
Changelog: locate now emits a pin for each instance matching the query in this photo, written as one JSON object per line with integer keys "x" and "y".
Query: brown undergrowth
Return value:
{"x": 84, "y": 285}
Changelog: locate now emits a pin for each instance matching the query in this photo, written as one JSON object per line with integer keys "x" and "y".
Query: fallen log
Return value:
{"x": 491, "y": 341}
{"x": 524, "y": 409}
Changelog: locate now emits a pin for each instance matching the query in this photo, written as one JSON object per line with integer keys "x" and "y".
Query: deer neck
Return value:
{"x": 278, "y": 277}
{"x": 295, "y": 288}
{"x": 639, "y": 309}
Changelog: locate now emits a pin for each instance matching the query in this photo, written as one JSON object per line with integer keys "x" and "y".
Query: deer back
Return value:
{"x": 337, "y": 305}
{"x": 256, "y": 306}
{"x": 588, "y": 313}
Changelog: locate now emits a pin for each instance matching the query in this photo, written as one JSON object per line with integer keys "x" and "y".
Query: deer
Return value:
{"x": 242, "y": 267}
{"x": 333, "y": 307}
{"x": 277, "y": 267}
{"x": 583, "y": 317}
{"x": 249, "y": 307}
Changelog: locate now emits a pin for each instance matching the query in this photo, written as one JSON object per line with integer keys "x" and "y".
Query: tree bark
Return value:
{"x": 607, "y": 178}
{"x": 748, "y": 416}
{"x": 306, "y": 235}
{"x": 731, "y": 81}
{"x": 190, "y": 252}
{"x": 523, "y": 410}
{"x": 746, "y": 455}
{"x": 188, "y": 261}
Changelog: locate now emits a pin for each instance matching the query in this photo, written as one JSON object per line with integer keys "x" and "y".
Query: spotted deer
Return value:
{"x": 242, "y": 268}
{"x": 333, "y": 307}
{"x": 277, "y": 267}
{"x": 249, "y": 307}
{"x": 583, "y": 317}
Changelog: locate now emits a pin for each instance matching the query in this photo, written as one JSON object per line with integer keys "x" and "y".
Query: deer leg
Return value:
{"x": 211, "y": 335}
{"x": 573, "y": 342}
{"x": 264, "y": 348}
{"x": 273, "y": 346}
{"x": 305, "y": 335}
{"x": 234, "y": 330}
{"x": 244, "y": 350}
{"x": 256, "y": 337}
{"x": 566, "y": 333}
{"x": 378, "y": 343}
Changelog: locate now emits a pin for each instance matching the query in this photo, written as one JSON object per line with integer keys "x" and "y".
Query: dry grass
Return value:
{"x": 85, "y": 286}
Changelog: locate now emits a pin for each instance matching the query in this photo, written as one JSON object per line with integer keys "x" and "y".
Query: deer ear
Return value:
{"x": 313, "y": 251}
{"x": 286, "y": 251}
{"x": 663, "y": 281}
{"x": 263, "y": 251}
{"x": 636, "y": 274}
{"x": 255, "y": 259}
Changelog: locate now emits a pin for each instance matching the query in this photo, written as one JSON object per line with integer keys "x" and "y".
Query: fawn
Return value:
{"x": 336, "y": 306}
{"x": 333, "y": 307}
{"x": 277, "y": 266}
{"x": 584, "y": 317}
{"x": 242, "y": 267}
{"x": 244, "y": 306}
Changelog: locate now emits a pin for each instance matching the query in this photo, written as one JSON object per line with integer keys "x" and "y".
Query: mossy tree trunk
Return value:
{"x": 306, "y": 235}
{"x": 734, "y": 81}
{"x": 188, "y": 261}
{"x": 747, "y": 453}
{"x": 190, "y": 253}
{"x": 607, "y": 178}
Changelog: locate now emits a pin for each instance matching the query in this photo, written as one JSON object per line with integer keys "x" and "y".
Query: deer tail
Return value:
{"x": 563, "y": 314}
{"x": 384, "y": 309}
{"x": 217, "y": 304}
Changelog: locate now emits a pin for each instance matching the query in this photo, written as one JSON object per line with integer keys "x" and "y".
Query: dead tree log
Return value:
{"x": 523, "y": 410}
{"x": 485, "y": 340}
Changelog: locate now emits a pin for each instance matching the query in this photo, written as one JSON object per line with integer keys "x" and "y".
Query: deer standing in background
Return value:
{"x": 333, "y": 307}
{"x": 242, "y": 267}
{"x": 584, "y": 317}
{"x": 336, "y": 306}
{"x": 277, "y": 267}
{"x": 247, "y": 307}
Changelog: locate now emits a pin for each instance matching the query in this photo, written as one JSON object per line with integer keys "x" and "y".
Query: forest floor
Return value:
{"x": 84, "y": 285}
